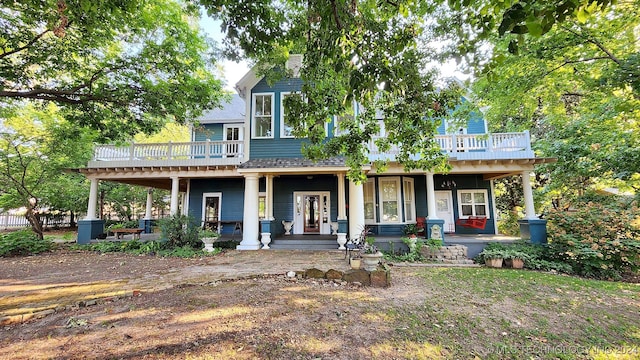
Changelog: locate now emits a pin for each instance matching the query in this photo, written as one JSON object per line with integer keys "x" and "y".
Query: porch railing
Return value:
{"x": 475, "y": 146}
{"x": 226, "y": 152}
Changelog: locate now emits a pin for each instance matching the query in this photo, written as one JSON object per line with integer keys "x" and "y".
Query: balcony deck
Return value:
{"x": 496, "y": 146}
{"x": 167, "y": 154}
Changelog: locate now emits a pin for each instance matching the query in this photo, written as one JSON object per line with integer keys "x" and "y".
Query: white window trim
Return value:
{"x": 336, "y": 130}
{"x": 204, "y": 204}
{"x": 282, "y": 96}
{"x": 253, "y": 115}
{"x": 262, "y": 194}
{"x": 399, "y": 198}
{"x": 412, "y": 209}
{"x": 486, "y": 203}
{"x": 372, "y": 181}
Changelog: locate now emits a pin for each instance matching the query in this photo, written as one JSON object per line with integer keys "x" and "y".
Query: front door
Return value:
{"x": 444, "y": 210}
{"x": 232, "y": 133}
{"x": 311, "y": 213}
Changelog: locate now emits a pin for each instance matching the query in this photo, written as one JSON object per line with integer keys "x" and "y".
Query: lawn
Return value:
{"x": 428, "y": 313}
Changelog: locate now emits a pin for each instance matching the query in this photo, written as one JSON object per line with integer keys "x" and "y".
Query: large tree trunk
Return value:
{"x": 34, "y": 219}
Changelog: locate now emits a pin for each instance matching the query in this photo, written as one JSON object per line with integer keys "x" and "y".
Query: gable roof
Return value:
{"x": 230, "y": 111}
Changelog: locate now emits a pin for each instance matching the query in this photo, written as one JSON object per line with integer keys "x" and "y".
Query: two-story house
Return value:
{"x": 244, "y": 168}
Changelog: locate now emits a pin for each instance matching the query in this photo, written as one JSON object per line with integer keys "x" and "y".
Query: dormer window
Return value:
{"x": 262, "y": 107}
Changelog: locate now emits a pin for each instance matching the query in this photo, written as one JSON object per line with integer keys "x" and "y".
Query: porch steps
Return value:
{"x": 304, "y": 244}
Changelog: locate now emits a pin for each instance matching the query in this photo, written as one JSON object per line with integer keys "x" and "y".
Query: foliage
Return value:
{"x": 535, "y": 256}
{"x": 206, "y": 233}
{"x": 23, "y": 242}
{"x": 36, "y": 145}
{"x": 119, "y": 67}
{"x": 158, "y": 248}
{"x": 180, "y": 230}
{"x": 433, "y": 243}
{"x": 597, "y": 241}
{"x": 508, "y": 224}
{"x": 369, "y": 246}
{"x": 411, "y": 229}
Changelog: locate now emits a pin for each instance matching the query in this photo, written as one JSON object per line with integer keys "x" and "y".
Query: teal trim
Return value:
{"x": 89, "y": 230}
{"x": 534, "y": 229}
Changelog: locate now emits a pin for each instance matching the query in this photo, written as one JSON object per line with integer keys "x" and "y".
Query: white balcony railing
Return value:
{"x": 474, "y": 146}
{"x": 188, "y": 153}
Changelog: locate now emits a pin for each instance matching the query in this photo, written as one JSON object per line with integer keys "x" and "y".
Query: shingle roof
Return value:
{"x": 270, "y": 163}
{"x": 231, "y": 110}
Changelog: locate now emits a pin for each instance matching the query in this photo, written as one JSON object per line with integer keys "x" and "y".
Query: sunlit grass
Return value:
{"x": 408, "y": 350}
{"x": 214, "y": 314}
{"x": 315, "y": 345}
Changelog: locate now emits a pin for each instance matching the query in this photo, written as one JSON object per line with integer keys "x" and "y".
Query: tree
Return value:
{"x": 120, "y": 67}
{"x": 576, "y": 87}
{"x": 36, "y": 145}
{"x": 367, "y": 52}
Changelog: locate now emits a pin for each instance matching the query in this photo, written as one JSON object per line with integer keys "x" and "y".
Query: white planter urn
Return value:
{"x": 208, "y": 243}
{"x": 265, "y": 239}
{"x": 288, "y": 225}
{"x": 370, "y": 261}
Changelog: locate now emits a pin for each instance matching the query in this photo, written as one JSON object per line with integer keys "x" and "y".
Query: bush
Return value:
{"x": 508, "y": 224}
{"x": 596, "y": 240}
{"x": 23, "y": 242}
{"x": 179, "y": 231}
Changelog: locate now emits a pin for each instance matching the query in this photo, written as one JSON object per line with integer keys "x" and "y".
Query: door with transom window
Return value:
{"x": 233, "y": 133}
{"x": 311, "y": 213}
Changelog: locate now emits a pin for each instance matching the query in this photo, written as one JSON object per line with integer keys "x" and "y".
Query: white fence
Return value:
{"x": 11, "y": 221}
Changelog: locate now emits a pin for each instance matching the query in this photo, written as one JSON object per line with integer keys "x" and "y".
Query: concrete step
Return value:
{"x": 304, "y": 244}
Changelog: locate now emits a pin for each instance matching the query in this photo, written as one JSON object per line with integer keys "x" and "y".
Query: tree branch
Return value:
{"x": 597, "y": 43}
{"x": 26, "y": 46}
{"x": 567, "y": 62}
{"x": 335, "y": 14}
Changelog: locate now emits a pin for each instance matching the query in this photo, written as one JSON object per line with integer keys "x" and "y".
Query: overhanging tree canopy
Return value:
{"x": 117, "y": 66}
{"x": 368, "y": 52}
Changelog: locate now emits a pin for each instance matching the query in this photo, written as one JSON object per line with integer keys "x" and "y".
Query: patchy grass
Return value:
{"x": 498, "y": 314}
{"x": 428, "y": 313}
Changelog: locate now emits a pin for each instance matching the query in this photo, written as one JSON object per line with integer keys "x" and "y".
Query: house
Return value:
{"x": 244, "y": 169}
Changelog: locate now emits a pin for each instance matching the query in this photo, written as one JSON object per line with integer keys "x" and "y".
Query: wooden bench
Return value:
{"x": 121, "y": 232}
{"x": 475, "y": 222}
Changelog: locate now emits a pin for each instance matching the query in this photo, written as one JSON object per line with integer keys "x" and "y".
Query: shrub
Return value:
{"x": 180, "y": 230}
{"x": 23, "y": 242}
{"x": 508, "y": 224}
{"x": 596, "y": 240}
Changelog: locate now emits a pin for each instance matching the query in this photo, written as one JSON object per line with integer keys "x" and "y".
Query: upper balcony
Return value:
{"x": 461, "y": 147}
{"x": 167, "y": 154}
{"x": 474, "y": 147}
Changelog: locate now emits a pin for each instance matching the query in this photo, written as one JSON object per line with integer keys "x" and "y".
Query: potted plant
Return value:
{"x": 208, "y": 237}
{"x": 412, "y": 230}
{"x": 493, "y": 257}
{"x": 515, "y": 259}
{"x": 370, "y": 254}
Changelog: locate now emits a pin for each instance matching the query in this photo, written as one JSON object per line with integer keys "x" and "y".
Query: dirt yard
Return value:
{"x": 241, "y": 305}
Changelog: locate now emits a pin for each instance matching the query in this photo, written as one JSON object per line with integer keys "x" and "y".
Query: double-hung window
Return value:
{"x": 286, "y": 128}
{"x": 262, "y": 107}
{"x": 473, "y": 203}
{"x": 369, "y": 201}
{"x": 390, "y": 199}
{"x": 409, "y": 203}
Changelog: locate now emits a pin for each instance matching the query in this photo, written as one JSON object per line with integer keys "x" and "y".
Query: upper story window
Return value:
{"x": 338, "y": 120}
{"x": 286, "y": 128}
{"x": 473, "y": 203}
{"x": 262, "y": 124}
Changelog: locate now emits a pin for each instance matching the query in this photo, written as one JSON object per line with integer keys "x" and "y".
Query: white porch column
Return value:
{"x": 341, "y": 198}
{"x": 269, "y": 197}
{"x": 147, "y": 213}
{"x": 431, "y": 197}
{"x": 93, "y": 200}
{"x": 250, "y": 226}
{"x": 529, "y": 208}
{"x": 356, "y": 209}
{"x": 175, "y": 189}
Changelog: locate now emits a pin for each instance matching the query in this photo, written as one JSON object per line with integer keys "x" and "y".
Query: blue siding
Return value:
{"x": 232, "y": 205}
{"x": 276, "y": 147}
{"x": 285, "y": 186}
{"x": 209, "y": 131}
{"x": 475, "y": 124}
{"x": 470, "y": 182}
